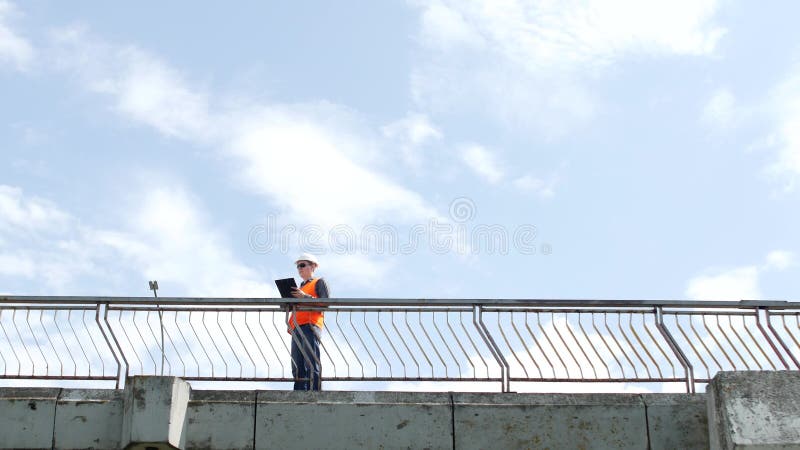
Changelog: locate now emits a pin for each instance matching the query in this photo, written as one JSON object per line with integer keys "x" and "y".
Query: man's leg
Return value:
{"x": 299, "y": 370}
{"x": 315, "y": 368}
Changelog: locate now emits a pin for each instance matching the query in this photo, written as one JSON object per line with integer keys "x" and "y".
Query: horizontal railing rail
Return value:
{"x": 500, "y": 341}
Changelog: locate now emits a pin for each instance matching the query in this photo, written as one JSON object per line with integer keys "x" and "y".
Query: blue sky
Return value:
{"x": 654, "y": 147}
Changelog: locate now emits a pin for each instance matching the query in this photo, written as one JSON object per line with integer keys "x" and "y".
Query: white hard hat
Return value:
{"x": 307, "y": 257}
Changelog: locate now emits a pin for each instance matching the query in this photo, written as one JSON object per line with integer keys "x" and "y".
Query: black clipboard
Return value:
{"x": 285, "y": 286}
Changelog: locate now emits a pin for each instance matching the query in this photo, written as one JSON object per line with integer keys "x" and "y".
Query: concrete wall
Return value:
{"x": 56, "y": 418}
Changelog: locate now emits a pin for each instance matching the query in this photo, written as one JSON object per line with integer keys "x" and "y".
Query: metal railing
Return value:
{"x": 397, "y": 340}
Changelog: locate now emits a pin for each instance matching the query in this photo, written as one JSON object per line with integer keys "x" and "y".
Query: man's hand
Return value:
{"x": 297, "y": 293}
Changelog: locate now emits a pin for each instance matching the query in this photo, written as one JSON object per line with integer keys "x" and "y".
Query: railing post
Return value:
{"x": 108, "y": 343}
{"x": 119, "y": 348}
{"x": 687, "y": 366}
{"x": 489, "y": 341}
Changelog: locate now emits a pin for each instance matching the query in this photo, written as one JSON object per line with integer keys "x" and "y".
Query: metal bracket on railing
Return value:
{"x": 687, "y": 366}
{"x": 477, "y": 318}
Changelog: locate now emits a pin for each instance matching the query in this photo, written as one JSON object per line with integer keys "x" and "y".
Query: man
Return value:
{"x": 306, "y": 327}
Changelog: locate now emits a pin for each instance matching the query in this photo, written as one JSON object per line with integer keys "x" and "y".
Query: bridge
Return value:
{"x": 184, "y": 350}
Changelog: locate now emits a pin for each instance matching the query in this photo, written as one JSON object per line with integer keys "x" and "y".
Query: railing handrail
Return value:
{"x": 527, "y": 302}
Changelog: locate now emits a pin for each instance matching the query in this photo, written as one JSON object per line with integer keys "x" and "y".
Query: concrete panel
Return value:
{"x": 582, "y": 421}
{"x": 350, "y": 420}
{"x": 749, "y": 410}
{"x": 89, "y": 419}
{"x": 155, "y": 413}
{"x": 26, "y": 417}
{"x": 677, "y": 421}
{"x": 220, "y": 419}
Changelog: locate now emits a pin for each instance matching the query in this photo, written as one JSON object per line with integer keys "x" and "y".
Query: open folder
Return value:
{"x": 285, "y": 286}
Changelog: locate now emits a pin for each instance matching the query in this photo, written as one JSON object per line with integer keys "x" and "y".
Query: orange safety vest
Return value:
{"x": 304, "y": 317}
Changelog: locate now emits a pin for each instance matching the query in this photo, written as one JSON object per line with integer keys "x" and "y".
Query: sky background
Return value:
{"x": 638, "y": 149}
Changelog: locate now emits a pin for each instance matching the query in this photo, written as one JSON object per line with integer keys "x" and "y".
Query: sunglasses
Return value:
{"x": 302, "y": 265}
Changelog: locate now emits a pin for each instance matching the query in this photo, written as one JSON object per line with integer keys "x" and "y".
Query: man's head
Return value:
{"x": 306, "y": 264}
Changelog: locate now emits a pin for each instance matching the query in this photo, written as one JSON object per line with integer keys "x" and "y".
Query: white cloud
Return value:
{"x": 785, "y": 108}
{"x": 169, "y": 239}
{"x": 18, "y": 213}
{"x": 164, "y": 236}
{"x": 538, "y": 186}
{"x": 482, "y": 162}
{"x": 411, "y": 133}
{"x": 14, "y": 49}
{"x": 535, "y": 56}
{"x": 720, "y": 111}
{"x": 740, "y": 283}
{"x": 735, "y": 284}
{"x": 779, "y": 260}
{"x": 144, "y": 87}
{"x": 288, "y": 153}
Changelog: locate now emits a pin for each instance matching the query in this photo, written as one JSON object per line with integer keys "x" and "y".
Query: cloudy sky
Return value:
{"x": 493, "y": 149}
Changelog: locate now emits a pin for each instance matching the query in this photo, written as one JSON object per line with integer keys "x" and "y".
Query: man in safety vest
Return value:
{"x": 306, "y": 327}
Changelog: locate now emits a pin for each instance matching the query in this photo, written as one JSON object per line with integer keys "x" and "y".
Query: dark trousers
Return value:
{"x": 306, "y": 366}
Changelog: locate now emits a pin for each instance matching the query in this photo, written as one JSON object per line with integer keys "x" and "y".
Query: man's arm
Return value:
{"x": 322, "y": 289}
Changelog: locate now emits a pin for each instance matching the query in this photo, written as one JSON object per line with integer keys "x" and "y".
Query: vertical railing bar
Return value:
{"x": 524, "y": 345}
{"x": 402, "y": 339}
{"x": 619, "y": 346}
{"x": 36, "y": 341}
{"x": 716, "y": 319}
{"x": 281, "y": 337}
{"x": 608, "y": 347}
{"x": 689, "y": 341}
{"x": 200, "y": 343}
{"x": 325, "y": 349}
{"x": 744, "y": 344}
{"x": 580, "y": 347}
{"x": 591, "y": 344}
{"x": 731, "y": 341}
{"x": 630, "y": 344}
{"x": 108, "y": 344}
{"x": 347, "y": 341}
{"x": 458, "y": 341}
{"x": 549, "y": 341}
{"x": 687, "y": 366}
{"x": 50, "y": 341}
{"x": 446, "y": 345}
{"x": 5, "y": 364}
{"x": 539, "y": 346}
{"x": 146, "y": 347}
{"x": 165, "y": 331}
{"x": 159, "y": 340}
{"x": 10, "y": 344}
{"x": 389, "y": 340}
{"x": 227, "y": 341}
{"x": 185, "y": 344}
{"x": 258, "y": 346}
{"x": 644, "y": 347}
{"x": 128, "y": 338}
{"x": 369, "y": 330}
{"x": 414, "y": 335}
{"x": 244, "y": 346}
{"x": 569, "y": 350}
{"x": 330, "y": 333}
{"x": 66, "y": 345}
{"x": 362, "y": 341}
{"x": 691, "y": 324}
{"x": 433, "y": 346}
{"x": 771, "y": 344}
{"x": 472, "y": 342}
